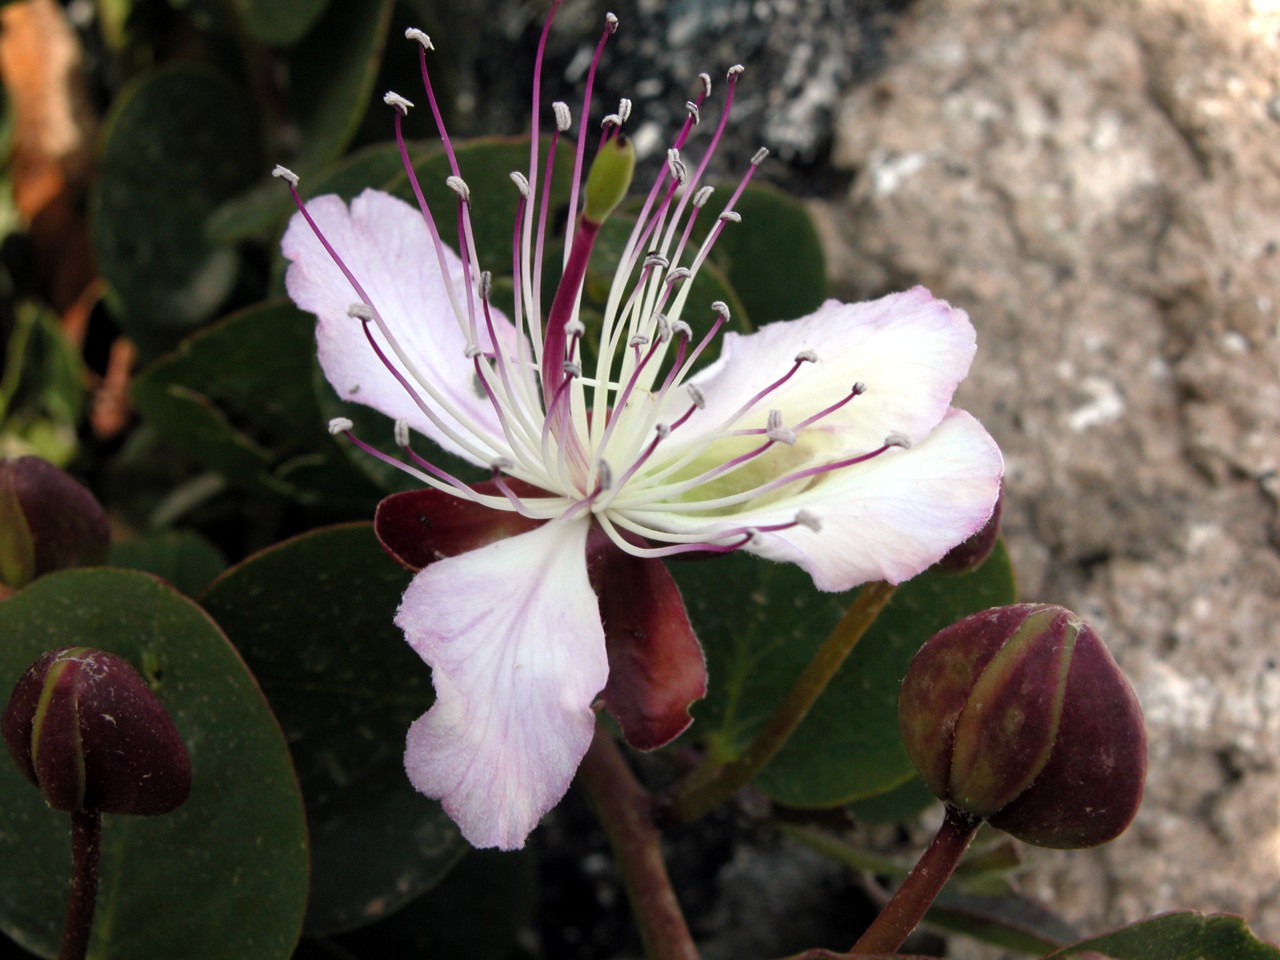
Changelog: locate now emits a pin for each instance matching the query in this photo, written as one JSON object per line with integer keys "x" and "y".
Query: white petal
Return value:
{"x": 887, "y": 519}
{"x": 385, "y": 244}
{"x": 909, "y": 349}
{"x": 513, "y": 636}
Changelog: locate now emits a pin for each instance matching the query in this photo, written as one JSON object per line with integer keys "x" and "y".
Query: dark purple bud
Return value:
{"x": 972, "y": 553}
{"x": 1020, "y": 715}
{"x": 48, "y": 521}
{"x": 85, "y": 728}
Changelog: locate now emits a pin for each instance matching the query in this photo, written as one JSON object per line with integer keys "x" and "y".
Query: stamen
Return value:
{"x": 624, "y": 110}
{"x": 413, "y": 33}
{"x": 575, "y": 328}
{"x": 402, "y": 433}
{"x": 806, "y": 519}
{"x": 610, "y": 120}
{"x": 284, "y": 173}
{"x": 360, "y": 311}
{"x": 760, "y": 156}
{"x": 564, "y": 119}
{"x": 777, "y": 432}
{"x": 459, "y": 186}
{"x": 693, "y": 111}
{"x": 731, "y": 216}
{"x": 679, "y": 171}
{"x": 678, "y": 275}
{"x": 655, "y": 259}
{"x": 521, "y": 182}
{"x": 898, "y": 440}
{"x": 611, "y": 23}
{"x": 340, "y": 425}
{"x": 734, "y": 71}
{"x": 806, "y": 356}
{"x": 393, "y": 99}
{"x": 486, "y": 286}
{"x": 706, "y": 84}
{"x": 604, "y": 476}
{"x": 722, "y": 308}
{"x": 702, "y": 196}
{"x": 696, "y": 396}
{"x": 639, "y": 340}
{"x": 681, "y": 329}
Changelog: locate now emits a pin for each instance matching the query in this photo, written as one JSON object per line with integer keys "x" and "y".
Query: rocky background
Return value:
{"x": 1098, "y": 184}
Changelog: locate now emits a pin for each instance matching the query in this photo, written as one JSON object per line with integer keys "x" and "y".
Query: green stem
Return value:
{"x": 86, "y": 849}
{"x": 625, "y": 810}
{"x": 909, "y": 902}
{"x": 707, "y": 788}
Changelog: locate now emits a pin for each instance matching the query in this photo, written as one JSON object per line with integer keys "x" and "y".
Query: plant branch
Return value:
{"x": 625, "y": 809}
{"x": 909, "y": 902}
{"x": 706, "y": 789}
{"x": 86, "y": 849}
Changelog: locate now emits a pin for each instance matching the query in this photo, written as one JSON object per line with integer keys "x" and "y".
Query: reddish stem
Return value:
{"x": 626, "y": 810}
{"x": 86, "y": 849}
{"x": 907, "y": 907}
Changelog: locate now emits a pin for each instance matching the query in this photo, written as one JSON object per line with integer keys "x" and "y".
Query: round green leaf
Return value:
{"x": 183, "y": 557}
{"x": 1177, "y": 936}
{"x": 313, "y": 618}
{"x": 178, "y": 142}
{"x": 279, "y": 23}
{"x": 761, "y": 622}
{"x": 223, "y": 876}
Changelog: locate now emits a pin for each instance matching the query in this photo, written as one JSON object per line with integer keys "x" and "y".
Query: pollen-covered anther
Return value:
{"x": 701, "y": 197}
{"x": 575, "y": 328}
{"x": 654, "y": 259}
{"x": 678, "y": 275}
{"x": 806, "y": 356}
{"x": 664, "y": 327}
{"x": 735, "y": 70}
{"x": 722, "y": 308}
{"x": 284, "y": 173}
{"x": 898, "y": 440}
{"x": 693, "y": 111}
{"x": 858, "y": 389}
{"x": 402, "y": 434}
{"x": 360, "y": 311}
{"x": 521, "y": 182}
{"x": 777, "y": 431}
{"x": 639, "y": 340}
{"x": 681, "y": 329}
{"x": 572, "y": 370}
{"x": 459, "y": 186}
{"x": 806, "y": 519}
{"x": 624, "y": 110}
{"x": 611, "y": 23}
{"x": 393, "y": 99}
{"x": 706, "y": 84}
{"x": 662, "y": 430}
{"x": 500, "y": 464}
{"x": 731, "y": 216}
{"x": 679, "y": 172}
{"x": 340, "y": 425}
{"x": 696, "y": 396}
{"x": 413, "y": 33}
{"x": 471, "y": 351}
{"x": 486, "y": 284}
{"x": 760, "y": 156}
{"x": 604, "y": 476}
{"x": 564, "y": 119}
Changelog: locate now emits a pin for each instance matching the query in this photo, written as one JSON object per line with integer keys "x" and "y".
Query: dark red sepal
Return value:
{"x": 656, "y": 666}
{"x": 419, "y": 527}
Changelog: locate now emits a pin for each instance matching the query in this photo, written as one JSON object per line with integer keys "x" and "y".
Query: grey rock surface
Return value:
{"x": 1098, "y": 184}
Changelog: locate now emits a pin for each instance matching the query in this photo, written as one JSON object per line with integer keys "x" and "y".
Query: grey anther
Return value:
{"x": 340, "y": 425}
{"x": 521, "y": 182}
{"x": 655, "y": 259}
{"x": 571, "y": 369}
{"x": 413, "y": 33}
{"x": 695, "y": 395}
{"x": 806, "y": 356}
{"x": 664, "y": 328}
{"x": 611, "y": 23}
{"x": 702, "y": 196}
{"x": 734, "y": 71}
{"x": 360, "y": 311}
{"x": 284, "y": 173}
{"x": 500, "y": 464}
{"x": 564, "y": 119}
{"x": 393, "y": 99}
{"x": 760, "y": 156}
{"x": 706, "y": 83}
{"x": 624, "y": 109}
{"x": 898, "y": 440}
{"x": 639, "y": 340}
{"x": 459, "y": 186}
{"x": 779, "y": 432}
{"x": 731, "y": 216}
{"x": 678, "y": 275}
{"x": 722, "y": 308}
{"x": 681, "y": 329}
{"x": 693, "y": 111}
{"x": 486, "y": 284}
{"x": 610, "y": 120}
{"x": 806, "y": 519}
{"x": 471, "y": 351}
{"x": 679, "y": 172}
{"x": 604, "y": 475}
{"x": 402, "y": 434}
{"x": 574, "y": 328}
{"x": 662, "y": 430}
{"x": 859, "y": 389}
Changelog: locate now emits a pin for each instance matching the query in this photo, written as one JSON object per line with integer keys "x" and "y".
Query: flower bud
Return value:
{"x": 1020, "y": 715}
{"x": 86, "y": 729}
{"x": 972, "y": 553}
{"x": 48, "y": 521}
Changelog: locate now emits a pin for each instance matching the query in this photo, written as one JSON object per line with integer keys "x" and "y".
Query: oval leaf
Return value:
{"x": 1177, "y": 936}
{"x": 223, "y": 876}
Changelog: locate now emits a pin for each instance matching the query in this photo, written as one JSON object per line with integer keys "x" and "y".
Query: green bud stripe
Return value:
{"x": 17, "y": 549}
{"x": 609, "y": 179}
{"x": 51, "y": 680}
{"x": 1000, "y": 744}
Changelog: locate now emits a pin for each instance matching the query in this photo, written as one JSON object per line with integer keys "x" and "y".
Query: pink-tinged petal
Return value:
{"x": 419, "y": 527}
{"x": 909, "y": 349}
{"x": 889, "y": 518}
{"x": 385, "y": 244}
{"x": 656, "y": 666}
{"x": 513, "y": 637}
